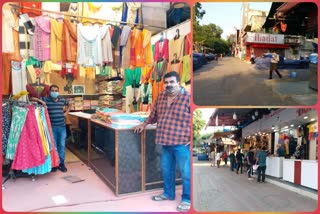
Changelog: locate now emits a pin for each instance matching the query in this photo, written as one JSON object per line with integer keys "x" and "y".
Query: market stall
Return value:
{"x": 99, "y": 63}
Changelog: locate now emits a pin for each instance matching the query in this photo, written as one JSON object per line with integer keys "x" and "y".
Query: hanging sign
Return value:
{"x": 265, "y": 38}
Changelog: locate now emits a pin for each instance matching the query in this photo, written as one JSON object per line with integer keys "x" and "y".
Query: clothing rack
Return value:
{"x": 78, "y": 16}
{"x": 16, "y": 173}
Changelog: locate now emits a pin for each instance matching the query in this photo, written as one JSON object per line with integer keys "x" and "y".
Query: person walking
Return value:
{"x": 58, "y": 108}
{"x": 171, "y": 112}
{"x": 252, "y": 58}
{"x": 274, "y": 64}
{"x": 250, "y": 162}
{"x": 225, "y": 158}
{"x": 239, "y": 157}
{"x": 212, "y": 157}
{"x": 232, "y": 160}
{"x": 219, "y": 154}
{"x": 261, "y": 160}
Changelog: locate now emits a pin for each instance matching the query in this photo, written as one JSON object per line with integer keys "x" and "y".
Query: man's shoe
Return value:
{"x": 159, "y": 198}
{"x": 54, "y": 169}
{"x": 183, "y": 207}
{"x": 62, "y": 168}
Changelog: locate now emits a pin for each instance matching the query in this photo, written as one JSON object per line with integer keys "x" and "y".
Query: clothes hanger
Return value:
{"x": 177, "y": 34}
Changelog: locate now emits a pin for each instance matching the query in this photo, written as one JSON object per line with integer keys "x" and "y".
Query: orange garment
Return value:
{"x": 69, "y": 42}
{"x": 146, "y": 37}
{"x": 16, "y": 43}
{"x": 6, "y": 73}
{"x": 146, "y": 74}
{"x": 177, "y": 67}
{"x": 138, "y": 47}
{"x": 188, "y": 45}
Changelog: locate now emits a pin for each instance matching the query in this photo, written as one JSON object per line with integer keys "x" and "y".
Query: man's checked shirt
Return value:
{"x": 173, "y": 122}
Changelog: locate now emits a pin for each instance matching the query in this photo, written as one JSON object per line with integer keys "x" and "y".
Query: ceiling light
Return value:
{"x": 292, "y": 125}
{"x": 272, "y": 127}
{"x": 312, "y": 119}
{"x": 306, "y": 117}
{"x": 286, "y": 127}
{"x": 234, "y": 116}
{"x": 256, "y": 113}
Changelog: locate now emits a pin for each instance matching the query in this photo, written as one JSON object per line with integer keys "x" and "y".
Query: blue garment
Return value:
{"x": 262, "y": 156}
{"x": 6, "y": 121}
{"x": 59, "y": 135}
{"x": 172, "y": 156}
{"x": 42, "y": 169}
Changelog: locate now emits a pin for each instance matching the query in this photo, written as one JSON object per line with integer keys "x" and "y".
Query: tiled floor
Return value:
{"x": 51, "y": 192}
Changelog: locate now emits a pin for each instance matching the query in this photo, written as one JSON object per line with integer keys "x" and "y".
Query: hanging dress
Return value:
{"x": 19, "y": 115}
{"x": 29, "y": 151}
{"x": 6, "y": 120}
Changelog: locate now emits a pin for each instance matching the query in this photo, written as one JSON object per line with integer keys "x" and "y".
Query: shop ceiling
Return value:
{"x": 239, "y": 117}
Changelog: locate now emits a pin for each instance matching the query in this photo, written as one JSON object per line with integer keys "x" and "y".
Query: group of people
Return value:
{"x": 253, "y": 158}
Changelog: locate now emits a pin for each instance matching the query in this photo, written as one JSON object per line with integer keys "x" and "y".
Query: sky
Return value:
{"x": 228, "y": 15}
{"x": 206, "y": 114}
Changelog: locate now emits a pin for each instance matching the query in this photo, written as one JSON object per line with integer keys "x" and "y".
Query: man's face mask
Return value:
{"x": 54, "y": 94}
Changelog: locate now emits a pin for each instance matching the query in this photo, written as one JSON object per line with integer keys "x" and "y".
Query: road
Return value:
{"x": 231, "y": 82}
{"x": 219, "y": 189}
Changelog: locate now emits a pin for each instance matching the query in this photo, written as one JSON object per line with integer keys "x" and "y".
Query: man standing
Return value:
{"x": 57, "y": 109}
{"x": 171, "y": 112}
{"x": 274, "y": 65}
{"x": 232, "y": 160}
{"x": 251, "y": 161}
{"x": 239, "y": 157}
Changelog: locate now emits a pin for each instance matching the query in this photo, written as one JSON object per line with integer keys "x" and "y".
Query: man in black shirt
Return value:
{"x": 251, "y": 161}
{"x": 239, "y": 157}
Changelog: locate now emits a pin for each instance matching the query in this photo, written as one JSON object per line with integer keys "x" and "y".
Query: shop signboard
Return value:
{"x": 265, "y": 38}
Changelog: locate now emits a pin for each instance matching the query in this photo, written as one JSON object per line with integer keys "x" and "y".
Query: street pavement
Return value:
{"x": 220, "y": 189}
{"x": 234, "y": 82}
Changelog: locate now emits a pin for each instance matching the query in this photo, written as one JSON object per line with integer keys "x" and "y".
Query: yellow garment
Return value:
{"x": 186, "y": 68}
{"x": 176, "y": 47}
{"x": 44, "y": 140}
{"x": 82, "y": 72}
{"x": 56, "y": 40}
{"x": 146, "y": 36}
{"x": 47, "y": 68}
{"x": 20, "y": 94}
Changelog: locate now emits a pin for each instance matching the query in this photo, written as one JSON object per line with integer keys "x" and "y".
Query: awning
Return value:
{"x": 258, "y": 45}
{"x": 285, "y": 7}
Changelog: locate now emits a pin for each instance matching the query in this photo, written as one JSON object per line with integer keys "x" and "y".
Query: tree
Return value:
{"x": 198, "y": 13}
{"x": 198, "y": 124}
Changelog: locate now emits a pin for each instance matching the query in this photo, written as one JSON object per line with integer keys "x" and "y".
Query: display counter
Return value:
{"x": 81, "y": 134}
{"x": 275, "y": 166}
{"x": 125, "y": 161}
{"x": 301, "y": 172}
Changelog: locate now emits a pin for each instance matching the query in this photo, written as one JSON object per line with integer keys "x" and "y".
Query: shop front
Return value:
{"x": 109, "y": 69}
{"x": 296, "y": 131}
{"x": 260, "y": 43}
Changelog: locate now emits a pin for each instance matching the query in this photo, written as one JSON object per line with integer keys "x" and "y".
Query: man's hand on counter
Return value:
{"x": 139, "y": 128}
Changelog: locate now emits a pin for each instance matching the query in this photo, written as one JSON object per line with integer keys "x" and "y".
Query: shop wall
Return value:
{"x": 184, "y": 28}
{"x": 62, "y": 82}
{"x": 313, "y": 150}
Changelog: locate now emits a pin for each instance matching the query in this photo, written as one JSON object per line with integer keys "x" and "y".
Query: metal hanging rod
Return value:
{"x": 71, "y": 15}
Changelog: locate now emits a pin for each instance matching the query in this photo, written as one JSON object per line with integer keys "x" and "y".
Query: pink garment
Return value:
{"x": 161, "y": 52}
{"x": 54, "y": 155}
{"x": 30, "y": 152}
{"x": 42, "y": 38}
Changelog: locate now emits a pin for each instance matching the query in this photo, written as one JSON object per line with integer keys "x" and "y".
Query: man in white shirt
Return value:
{"x": 274, "y": 64}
